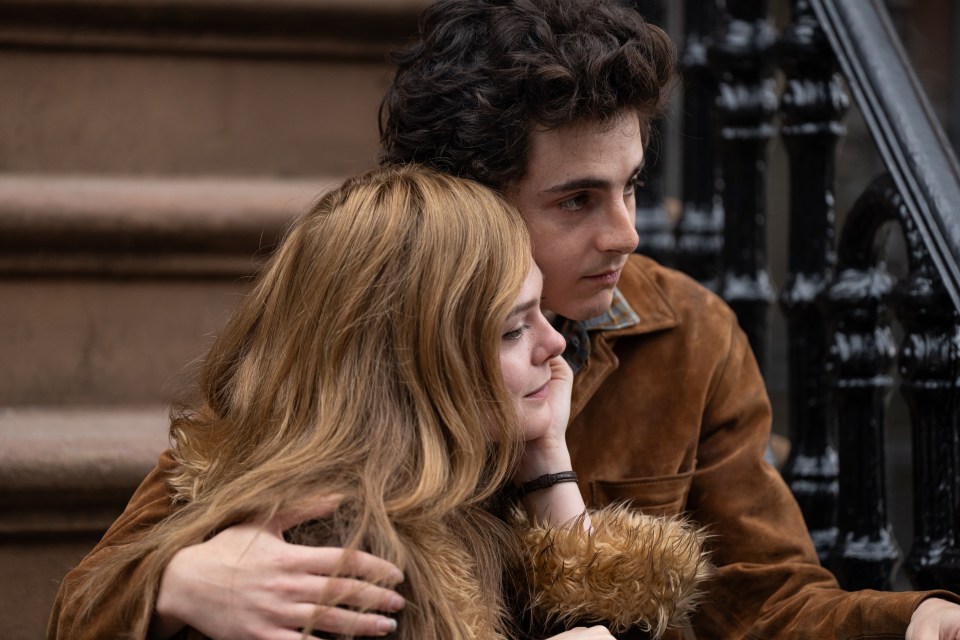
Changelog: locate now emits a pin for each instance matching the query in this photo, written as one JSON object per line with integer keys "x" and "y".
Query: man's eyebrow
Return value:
{"x": 588, "y": 182}
{"x": 577, "y": 184}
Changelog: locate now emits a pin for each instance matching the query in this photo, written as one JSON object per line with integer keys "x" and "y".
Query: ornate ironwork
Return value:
{"x": 746, "y": 104}
{"x": 929, "y": 366}
{"x": 654, "y": 224}
{"x": 699, "y": 232}
{"x": 811, "y": 106}
{"x": 839, "y": 305}
{"x": 920, "y": 193}
{"x": 862, "y": 354}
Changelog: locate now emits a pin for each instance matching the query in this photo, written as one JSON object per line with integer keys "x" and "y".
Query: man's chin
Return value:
{"x": 584, "y": 309}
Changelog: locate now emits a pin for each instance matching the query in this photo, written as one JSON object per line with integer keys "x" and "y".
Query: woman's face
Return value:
{"x": 526, "y": 346}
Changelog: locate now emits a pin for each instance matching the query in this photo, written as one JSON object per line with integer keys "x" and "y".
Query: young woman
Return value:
{"x": 391, "y": 364}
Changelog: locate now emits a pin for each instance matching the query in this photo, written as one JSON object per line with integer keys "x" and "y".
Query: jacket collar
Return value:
{"x": 639, "y": 306}
{"x": 620, "y": 316}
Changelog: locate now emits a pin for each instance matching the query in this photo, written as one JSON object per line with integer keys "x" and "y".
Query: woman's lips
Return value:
{"x": 539, "y": 394}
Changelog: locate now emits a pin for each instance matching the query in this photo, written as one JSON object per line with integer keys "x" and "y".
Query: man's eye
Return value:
{"x": 575, "y": 203}
{"x": 632, "y": 186}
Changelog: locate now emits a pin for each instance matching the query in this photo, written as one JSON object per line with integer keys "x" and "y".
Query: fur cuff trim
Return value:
{"x": 630, "y": 570}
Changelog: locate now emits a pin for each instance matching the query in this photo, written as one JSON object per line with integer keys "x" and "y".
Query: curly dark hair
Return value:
{"x": 484, "y": 72}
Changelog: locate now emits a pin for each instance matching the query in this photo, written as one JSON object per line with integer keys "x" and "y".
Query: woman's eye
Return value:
{"x": 515, "y": 334}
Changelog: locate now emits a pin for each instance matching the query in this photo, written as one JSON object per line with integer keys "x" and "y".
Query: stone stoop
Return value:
{"x": 111, "y": 290}
{"x": 112, "y": 287}
{"x": 151, "y": 152}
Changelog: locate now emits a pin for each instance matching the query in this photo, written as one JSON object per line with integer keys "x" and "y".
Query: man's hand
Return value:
{"x": 935, "y": 619}
{"x": 247, "y": 583}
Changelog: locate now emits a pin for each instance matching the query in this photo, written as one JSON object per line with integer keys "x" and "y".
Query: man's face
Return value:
{"x": 578, "y": 200}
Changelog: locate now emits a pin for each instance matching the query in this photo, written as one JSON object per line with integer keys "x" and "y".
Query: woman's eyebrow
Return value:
{"x": 524, "y": 307}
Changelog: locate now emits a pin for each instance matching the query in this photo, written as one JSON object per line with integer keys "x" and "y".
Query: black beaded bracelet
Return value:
{"x": 546, "y": 480}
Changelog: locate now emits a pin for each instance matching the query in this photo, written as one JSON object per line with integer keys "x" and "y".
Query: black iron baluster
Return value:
{"x": 746, "y": 103}
{"x": 700, "y": 228}
{"x": 928, "y": 368}
{"x": 861, "y": 356}
{"x": 812, "y": 106}
{"x": 929, "y": 365}
{"x": 654, "y": 224}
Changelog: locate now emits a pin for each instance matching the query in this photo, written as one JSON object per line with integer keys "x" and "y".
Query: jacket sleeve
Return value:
{"x": 629, "y": 570}
{"x": 121, "y": 613}
{"x": 769, "y": 583}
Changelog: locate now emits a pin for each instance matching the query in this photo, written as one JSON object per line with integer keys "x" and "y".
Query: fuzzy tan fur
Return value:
{"x": 631, "y": 570}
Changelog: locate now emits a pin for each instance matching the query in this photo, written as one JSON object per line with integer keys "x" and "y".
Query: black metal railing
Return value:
{"x": 843, "y": 306}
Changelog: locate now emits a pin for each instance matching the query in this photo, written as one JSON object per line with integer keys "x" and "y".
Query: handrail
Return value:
{"x": 902, "y": 123}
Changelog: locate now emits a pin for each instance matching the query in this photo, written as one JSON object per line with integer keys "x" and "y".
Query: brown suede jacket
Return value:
{"x": 671, "y": 415}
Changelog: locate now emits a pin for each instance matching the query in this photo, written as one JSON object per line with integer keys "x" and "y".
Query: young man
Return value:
{"x": 550, "y": 102}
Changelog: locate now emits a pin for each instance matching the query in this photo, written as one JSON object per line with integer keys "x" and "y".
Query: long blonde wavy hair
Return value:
{"x": 364, "y": 363}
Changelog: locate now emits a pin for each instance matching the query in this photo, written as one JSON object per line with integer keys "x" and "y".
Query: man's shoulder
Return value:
{"x": 651, "y": 288}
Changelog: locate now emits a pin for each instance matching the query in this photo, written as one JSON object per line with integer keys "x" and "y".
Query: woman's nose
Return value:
{"x": 551, "y": 342}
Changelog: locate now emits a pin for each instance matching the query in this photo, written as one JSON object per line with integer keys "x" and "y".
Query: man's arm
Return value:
{"x": 770, "y": 583}
{"x": 246, "y": 582}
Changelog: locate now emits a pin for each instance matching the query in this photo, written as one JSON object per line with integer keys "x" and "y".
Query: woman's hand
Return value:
{"x": 548, "y": 453}
{"x": 561, "y": 503}
{"x": 584, "y": 633}
{"x": 248, "y": 583}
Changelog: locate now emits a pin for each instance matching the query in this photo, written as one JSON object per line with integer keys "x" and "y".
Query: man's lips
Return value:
{"x": 607, "y": 277}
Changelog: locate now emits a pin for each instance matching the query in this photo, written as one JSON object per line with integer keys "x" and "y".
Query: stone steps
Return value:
{"x": 151, "y": 151}
{"x": 112, "y": 286}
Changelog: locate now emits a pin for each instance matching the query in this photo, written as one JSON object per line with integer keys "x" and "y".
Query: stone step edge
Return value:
{"x": 364, "y": 30}
{"x": 145, "y": 226}
{"x": 68, "y": 471}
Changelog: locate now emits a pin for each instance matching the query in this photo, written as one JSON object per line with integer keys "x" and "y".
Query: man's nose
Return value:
{"x": 619, "y": 234}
